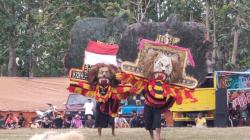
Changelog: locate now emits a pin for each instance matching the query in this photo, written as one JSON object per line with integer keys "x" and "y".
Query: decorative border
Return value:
{"x": 181, "y": 56}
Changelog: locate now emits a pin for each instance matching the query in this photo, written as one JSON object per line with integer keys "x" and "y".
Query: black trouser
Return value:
{"x": 152, "y": 117}
{"x": 102, "y": 119}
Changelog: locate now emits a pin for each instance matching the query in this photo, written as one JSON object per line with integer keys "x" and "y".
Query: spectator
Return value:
{"x": 121, "y": 122}
{"x": 90, "y": 122}
{"x": 163, "y": 121}
{"x": 89, "y": 109}
{"x": 67, "y": 122}
{"x": 76, "y": 122}
{"x": 35, "y": 124}
{"x": 248, "y": 113}
{"x": 11, "y": 121}
{"x": 135, "y": 120}
{"x": 58, "y": 121}
{"x": 21, "y": 120}
{"x": 243, "y": 116}
{"x": 234, "y": 116}
{"x": 46, "y": 123}
{"x": 6, "y": 117}
{"x": 1, "y": 121}
{"x": 141, "y": 121}
{"x": 200, "y": 121}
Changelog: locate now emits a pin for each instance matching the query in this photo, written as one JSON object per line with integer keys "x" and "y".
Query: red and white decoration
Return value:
{"x": 99, "y": 52}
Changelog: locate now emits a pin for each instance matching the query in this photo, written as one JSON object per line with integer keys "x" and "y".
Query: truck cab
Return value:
{"x": 184, "y": 114}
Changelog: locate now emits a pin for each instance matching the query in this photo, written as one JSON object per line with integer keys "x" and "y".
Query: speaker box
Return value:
{"x": 221, "y": 111}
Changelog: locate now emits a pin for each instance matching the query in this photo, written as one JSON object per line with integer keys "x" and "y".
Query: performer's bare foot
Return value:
{"x": 151, "y": 134}
{"x": 157, "y": 134}
{"x": 99, "y": 131}
{"x": 113, "y": 130}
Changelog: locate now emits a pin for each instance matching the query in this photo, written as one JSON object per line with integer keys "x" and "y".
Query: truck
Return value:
{"x": 185, "y": 113}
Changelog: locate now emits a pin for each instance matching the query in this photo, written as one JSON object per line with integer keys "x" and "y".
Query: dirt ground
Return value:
{"x": 29, "y": 94}
{"x": 241, "y": 133}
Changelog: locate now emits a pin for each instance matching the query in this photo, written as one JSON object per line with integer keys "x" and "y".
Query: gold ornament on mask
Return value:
{"x": 167, "y": 39}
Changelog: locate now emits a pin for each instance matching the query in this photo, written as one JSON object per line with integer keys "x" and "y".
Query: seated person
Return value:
{"x": 89, "y": 122}
{"x": 135, "y": 120}
{"x": 76, "y": 122}
{"x": 1, "y": 121}
{"x": 35, "y": 124}
{"x": 234, "y": 116}
{"x": 21, "y": 120}
{"x": 121, "y": 122}
{"x": 67, "y": 122}
{"x": 58, "y": 121}
{"x": 46, "y": 123}
{"x": 200, "y": 121}
{"x": 11, "y": 121}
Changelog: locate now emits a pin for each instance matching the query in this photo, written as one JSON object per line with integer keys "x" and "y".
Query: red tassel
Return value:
{"x": 71, "y": 89}
{"x": 167, "y": 90}
{"x": 178, "y": 98}
{"x": 189, "y": 95}
{"x": 119, "y": 89}
{"x": 80, "y": 84}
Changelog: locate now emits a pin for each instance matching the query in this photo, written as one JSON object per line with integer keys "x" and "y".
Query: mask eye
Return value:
{"x": 161, "y": 64}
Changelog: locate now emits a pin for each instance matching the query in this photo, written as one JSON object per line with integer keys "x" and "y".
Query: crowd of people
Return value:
{"x": 11, "y": 121}
{"x": 239, "y": 116}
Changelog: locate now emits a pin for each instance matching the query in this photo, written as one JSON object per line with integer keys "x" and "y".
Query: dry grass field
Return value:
{"x": 242, "y": 133}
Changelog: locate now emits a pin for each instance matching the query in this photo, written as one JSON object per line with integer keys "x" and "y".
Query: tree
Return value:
{"x": 10, "y": 13}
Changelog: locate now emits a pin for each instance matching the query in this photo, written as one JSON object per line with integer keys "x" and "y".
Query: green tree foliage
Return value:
{"x": 226, "y": 12}
{"x": 38, "y": 31}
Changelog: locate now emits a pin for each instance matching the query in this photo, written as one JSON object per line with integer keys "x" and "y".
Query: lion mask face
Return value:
{"x": 103, "y": 75}
{"x": 163, "y": 64}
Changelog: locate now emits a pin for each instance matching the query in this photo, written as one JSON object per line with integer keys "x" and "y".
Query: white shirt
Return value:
{"x": 89, "y": 107}
{"x": 120, "y": 120}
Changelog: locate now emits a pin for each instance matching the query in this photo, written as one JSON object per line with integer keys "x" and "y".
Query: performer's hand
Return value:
{"x": 178, "y": 101}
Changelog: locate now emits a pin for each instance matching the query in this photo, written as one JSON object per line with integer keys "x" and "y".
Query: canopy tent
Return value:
{"x": 29, "y": 94}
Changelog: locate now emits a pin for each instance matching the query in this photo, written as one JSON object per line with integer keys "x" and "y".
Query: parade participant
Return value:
{"x": 157, "y": 75}
{"x": 103, "y": 86}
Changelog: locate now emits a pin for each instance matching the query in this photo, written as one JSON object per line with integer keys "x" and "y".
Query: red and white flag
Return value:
{"x": 99, "y": 52}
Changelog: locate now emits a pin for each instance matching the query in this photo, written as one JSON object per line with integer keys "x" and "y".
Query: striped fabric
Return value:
{"x": 111, "y": 99}
{"x": 157, "y": 93}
